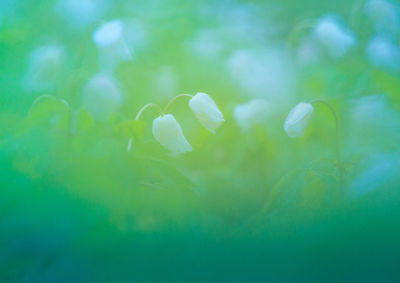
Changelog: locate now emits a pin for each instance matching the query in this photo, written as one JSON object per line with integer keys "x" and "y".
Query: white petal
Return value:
{"x": 206, "y": 111}
{"x": 297, "y": 120}
{"x": 168, "y": 132}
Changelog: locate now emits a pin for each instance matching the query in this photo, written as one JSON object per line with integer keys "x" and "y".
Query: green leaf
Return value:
{"x": 84, "y": 120}
{"x": 47, "y": 109}
{"x": 131, "y": 128}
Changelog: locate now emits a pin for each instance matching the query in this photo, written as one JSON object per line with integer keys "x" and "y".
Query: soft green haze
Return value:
{"x": 248, "y": 203}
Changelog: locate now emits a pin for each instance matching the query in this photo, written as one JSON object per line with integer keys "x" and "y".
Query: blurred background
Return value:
{"x": 249, "y": 203}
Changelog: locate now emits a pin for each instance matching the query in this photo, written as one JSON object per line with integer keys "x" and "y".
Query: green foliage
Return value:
{"x": 84, "y": 199}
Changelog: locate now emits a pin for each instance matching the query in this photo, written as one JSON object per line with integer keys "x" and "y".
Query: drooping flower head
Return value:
{"x": 206, "y": 111}
{"x": 168, "y": 132}
{"x": 297, "y": 120}
{"x": 111, "y": 43}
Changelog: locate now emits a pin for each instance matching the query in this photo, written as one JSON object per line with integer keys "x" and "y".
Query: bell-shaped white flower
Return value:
{"x": 168, "y": 132}
{"x": 45, "y": 69}
{"x": 101, "y": 96}
{"x": 336, "y": 38}
{"x": 251, "y": 113}
{"x": 297, "y": 120}
{"x": 111, "y": 43}
{"x": 206, "y": 111}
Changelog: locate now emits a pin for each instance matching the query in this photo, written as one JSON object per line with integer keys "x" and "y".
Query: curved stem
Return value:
{"x": 337, "y": 141}
{"x": 175, "y": 98}
{"x": 129, "y": 146}
{"x": 147, "y": 106}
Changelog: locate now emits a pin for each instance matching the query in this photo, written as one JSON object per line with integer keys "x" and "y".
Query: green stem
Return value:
{"x": 147, "y": 106}
{"x": 174, "y": 99}
{"x": 337, "y": 140}
{"x": 129, "y": 146}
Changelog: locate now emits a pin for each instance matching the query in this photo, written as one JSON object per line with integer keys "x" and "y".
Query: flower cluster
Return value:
{"x": 168, "y": 132}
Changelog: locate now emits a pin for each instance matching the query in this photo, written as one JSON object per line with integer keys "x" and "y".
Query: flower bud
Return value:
{"x": 206, "y": 111}
{"x": 112, "y": 46}
{"x": 251, "y": 113}
{"x": 297, "y": 120}
{"x": 168, "y": 132}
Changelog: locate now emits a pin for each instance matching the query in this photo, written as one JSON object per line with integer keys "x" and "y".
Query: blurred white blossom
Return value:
{"x": 46, "y": 67}
{"x": 79, "y": 14}
{"x": 206, "y": 111}
{"x": 263, "y": 73}
{"x": 373, "y": 124}
{"x": 384, "y": 14}
{"x": 207, "y": 43}
{"x": 297, "y": 121}
{"x": 380, "y": 171}
{"x": 336, "y": 38}
{"x": 165, "y": 82}
{"x": 251, "y": 113}
{"x": 111, "y": 44}
{"x": 101, "y": 96}
{"x": 168, "y": 132}
{"x": 383, "y": 52}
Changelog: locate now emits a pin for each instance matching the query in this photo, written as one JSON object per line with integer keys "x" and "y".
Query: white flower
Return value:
{"x": 79, "y": 14}
{"x": 101, "y": 96}
{"x": 382, "y": 51}
{"x": 46, "y": 67}
{"x": 297, "y": 120}
{"x": 168, "y": 132}
{"x": 384, "y": 15}
{"x": 336, "y": 38}
{"x": 206, "y": 111}
{"x": 263, "y": 72}
{"x": 112, "y": 46}
{"x": 251, "y": 113}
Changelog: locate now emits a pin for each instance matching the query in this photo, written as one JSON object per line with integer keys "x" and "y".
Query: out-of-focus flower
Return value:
{"x": 111, "y": 43}
{"x": 79, "y": 14}
{"x": 206, "y": 111}
{"x": 384, "y": 15}
{"x": 46, "y": 67}
{"x": 263, "y": 73}
{"x": 168, "y": 132}
{"x": 251, "y": 113}
{"x": 297, "y": 120}
{"x": 335, "y": 38}
{"x": 101, "y": 96}
{"x": 381, "y": 170}
{"x": 309, "y": 51}
{"x": 373, "y": 124}
{"x": 165, "y": 83}
{"x": 207, "y": 43}
{"x": 382, "y": 51}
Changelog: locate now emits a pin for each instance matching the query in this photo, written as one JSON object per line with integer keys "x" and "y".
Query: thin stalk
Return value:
{"x": 337, "y": 139}
{"x": 129, "y": 146}
{"x": 147, "y": 106}
{"x": 174, "y": 99}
